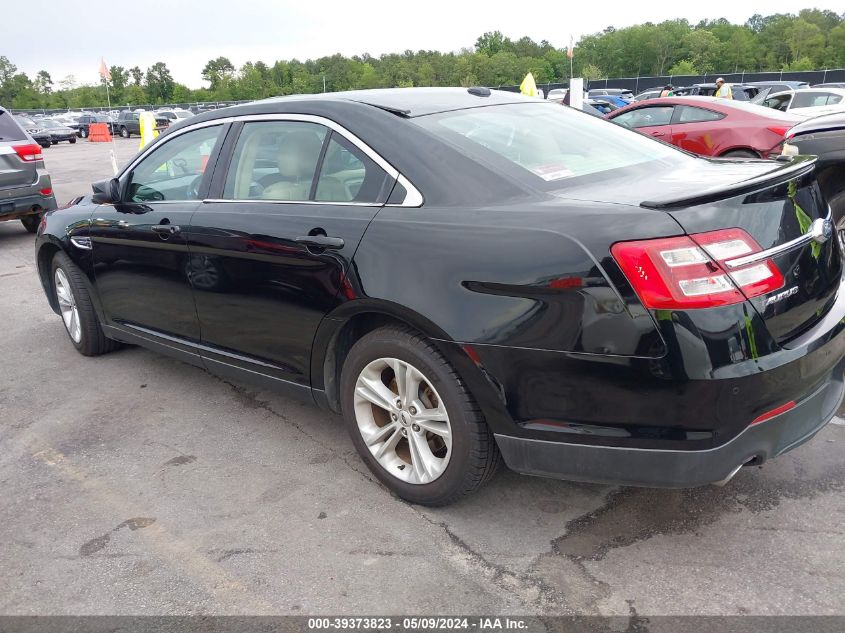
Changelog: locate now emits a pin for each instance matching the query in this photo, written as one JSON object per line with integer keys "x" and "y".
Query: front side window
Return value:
{"x": 275, "y": 160}
{"x": 174, "y": 170}
{"x": 645, "y": 117}
{"x": 807, "y": 99}
{"x": 690, "y": 114}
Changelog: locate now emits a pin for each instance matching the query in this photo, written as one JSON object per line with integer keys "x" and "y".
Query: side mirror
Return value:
{"x": 106, "y": 191}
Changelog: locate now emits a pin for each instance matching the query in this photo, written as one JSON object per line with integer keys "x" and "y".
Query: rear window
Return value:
{"x": 9, "y": 128}
{"x": 548, "y": 142}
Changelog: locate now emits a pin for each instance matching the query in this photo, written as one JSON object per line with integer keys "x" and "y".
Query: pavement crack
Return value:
{"x": 252, "y": 400}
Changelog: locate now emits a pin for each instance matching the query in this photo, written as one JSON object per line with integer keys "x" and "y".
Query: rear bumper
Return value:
{"x": 12, "y": 208}
{"x": 678, "y": 468}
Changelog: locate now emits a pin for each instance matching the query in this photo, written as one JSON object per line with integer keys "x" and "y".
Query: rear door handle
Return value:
{"x": 321, "y": 241}
{"x": 165, "y": 229}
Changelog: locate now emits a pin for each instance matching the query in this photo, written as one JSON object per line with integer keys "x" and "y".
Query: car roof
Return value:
{"x": 410, "y": 102}
{"x": 835, "y": 121}
{"x": 836, "y": 91}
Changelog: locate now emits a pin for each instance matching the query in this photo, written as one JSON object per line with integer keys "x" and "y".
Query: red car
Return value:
{"x": 709, "y": 126}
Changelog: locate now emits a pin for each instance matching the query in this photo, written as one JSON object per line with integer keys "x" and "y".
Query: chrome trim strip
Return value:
{"x": 83, "y": 243}
{"x": 413, "y": 197}
{"x": 322, "y": 202}
{"x": 816, "y": 233}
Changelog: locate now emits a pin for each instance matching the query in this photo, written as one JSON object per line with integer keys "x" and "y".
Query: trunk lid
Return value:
{"x": 784, "y": 212}
{"x": 777, "y": 203}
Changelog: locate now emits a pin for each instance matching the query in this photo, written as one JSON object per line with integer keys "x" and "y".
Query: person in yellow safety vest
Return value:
{"x": 147, "y": 123}
{"x": 723, "y": 90}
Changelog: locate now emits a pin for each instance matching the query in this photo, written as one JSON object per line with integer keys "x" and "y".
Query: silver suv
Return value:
{"x": 26, "y": 191}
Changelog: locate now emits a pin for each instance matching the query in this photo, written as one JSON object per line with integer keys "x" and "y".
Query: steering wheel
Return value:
{"x": 182, "y": 164}
{"x": 147, "y": 194}
{"x": 193, "y": 191}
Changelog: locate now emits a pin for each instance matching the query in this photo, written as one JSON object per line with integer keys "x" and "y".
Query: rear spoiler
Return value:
{"x": 795, "y": 168}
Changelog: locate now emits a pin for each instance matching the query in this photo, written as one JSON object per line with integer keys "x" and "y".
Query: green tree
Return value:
{"x": 683, "y": 68}
{"x": 217, "y": 71}
{"x": 491, "y": 43}
{"x": 160, "y": 83}
{"x": 137, "y": 75}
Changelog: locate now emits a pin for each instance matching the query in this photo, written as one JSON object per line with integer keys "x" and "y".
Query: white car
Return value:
{"x": 175, "y": 115}
{"x": 808, "y": 102}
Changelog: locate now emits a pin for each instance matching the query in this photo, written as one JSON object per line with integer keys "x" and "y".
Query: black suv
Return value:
{"x": 129, "y": 123}
{"x": 86, "y": 120}
{"x": 25, "y": 187}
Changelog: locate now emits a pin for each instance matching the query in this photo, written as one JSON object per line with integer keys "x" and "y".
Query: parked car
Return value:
{"x": 807, "y": 103}
{"x": 620, "y": 93}
{"x": 739, "y": 92}
{"x": 839, "y": 84}
{"x": 465, "y": 274}
{"x": 86, "y": 120}
{"x": 175, "y": 115}
{"x": 26, "y": 191}
{"x": 602, "y": 104}
{"x": 651, "y": 93}
{"x": 778, "y": 86}
{"x": 35, "y": 130}
{"x": 129, "y": 123}
{"x": 58, "y": 132}
{"x": 824, "y": 137}
{"x": 709, "y": 126}
{"x": 557, "y": 93}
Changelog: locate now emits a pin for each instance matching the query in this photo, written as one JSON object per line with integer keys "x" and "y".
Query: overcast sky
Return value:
{"x": 186, "y": 34}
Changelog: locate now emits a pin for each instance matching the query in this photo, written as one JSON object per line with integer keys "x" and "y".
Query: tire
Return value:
{"x": 87, "y": 337}
{"x": 456, "y": 466}
{"x": 124, "y": 132}
{"x": 739, "y": 153}
{"x": 72, "y": 140}
{"x": 31, "y": 222}
{"x": 54, "y": 142}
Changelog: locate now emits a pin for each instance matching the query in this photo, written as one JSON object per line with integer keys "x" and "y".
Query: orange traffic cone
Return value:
{"x": 99, "y": 133}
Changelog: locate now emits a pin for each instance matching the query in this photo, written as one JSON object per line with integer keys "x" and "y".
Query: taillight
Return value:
{"x": 780, "y": 130}
{"x": 28, "y": 153}
{"x": 690, "y": 272}
{"x": 46, "y": 191}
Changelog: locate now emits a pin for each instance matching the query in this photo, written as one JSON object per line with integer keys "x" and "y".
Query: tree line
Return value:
{"x": 812, "y": 39}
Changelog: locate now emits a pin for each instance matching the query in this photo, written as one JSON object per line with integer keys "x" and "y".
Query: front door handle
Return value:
{"x": 321, "y": 241}
{"x": 165, "y": 230}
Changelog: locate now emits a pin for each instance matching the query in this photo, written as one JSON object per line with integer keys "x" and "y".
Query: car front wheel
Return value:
{"x": 412, "y": 419}
{"x": 124, "y": 132}
{"x": 72, "y": 139}
{"x": 83, "y": 133}
{"x": 77, "y": 311}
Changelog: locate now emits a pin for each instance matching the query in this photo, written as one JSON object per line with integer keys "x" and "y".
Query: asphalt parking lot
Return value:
{"x": 134, "y": 484}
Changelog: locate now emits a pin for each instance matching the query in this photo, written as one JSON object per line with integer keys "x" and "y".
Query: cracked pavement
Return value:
{"x": 134, "y": 484}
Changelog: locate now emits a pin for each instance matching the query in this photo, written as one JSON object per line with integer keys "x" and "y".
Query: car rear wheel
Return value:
{"x": 31, "y": 222}
{"x": 77, "y": 311}
{"x": 124, "y": 132}
{"x": 412, "y": 419}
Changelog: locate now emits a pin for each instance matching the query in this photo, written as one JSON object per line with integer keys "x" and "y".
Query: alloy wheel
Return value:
{"x": 67, "y": 305}
{"x": 403, "y": 421}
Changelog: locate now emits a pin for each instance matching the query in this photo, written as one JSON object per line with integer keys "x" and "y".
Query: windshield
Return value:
{"x": 50, "y": 124}
{"x": 549, "y": 142}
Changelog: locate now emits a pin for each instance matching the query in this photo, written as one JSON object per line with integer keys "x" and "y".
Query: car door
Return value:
{"x": 651, "y": 120}
{"x": 270, "y": 250}
{"x": 697, "y": 130}
{"x": 139, "y": 245}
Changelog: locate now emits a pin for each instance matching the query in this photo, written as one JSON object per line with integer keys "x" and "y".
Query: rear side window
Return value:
{"x": 275, "y": 160}
{"x": 697, "y": 115}
{"x": 348, "y": 175}
{"x": 9, "y": 128}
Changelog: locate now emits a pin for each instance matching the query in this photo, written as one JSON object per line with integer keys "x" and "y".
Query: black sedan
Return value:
{"x": 35, "y": 130}
{"x": 468, "y": 275}
{"x": 58, "y": 132}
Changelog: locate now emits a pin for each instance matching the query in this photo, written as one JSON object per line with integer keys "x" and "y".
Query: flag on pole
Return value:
{"x": 570, "y": 50}
{"x": 104, "y": 70}
{"x": 528, "y": 87}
